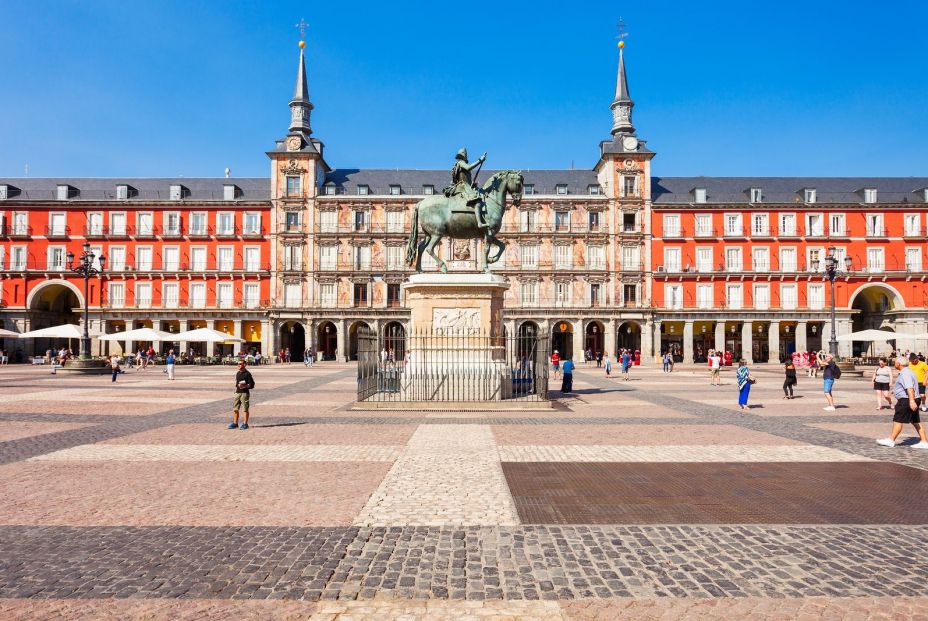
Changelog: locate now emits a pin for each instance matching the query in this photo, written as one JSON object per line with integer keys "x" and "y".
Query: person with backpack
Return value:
{"x": 830, "y": 374}
{"x": 790, "y": 380}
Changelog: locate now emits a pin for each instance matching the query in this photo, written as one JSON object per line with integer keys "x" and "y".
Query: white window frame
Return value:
{"x": 734, "y": 259}
{"x": 143, "y": 301}
{"x": 810, "y": 196}
{"x": 757, "y": 195}
{"x": 760, "y": 265}
{"x": 528, "y": 256}
{"x": 784, "y": 263}
{"x": 734, "y": 224}
{"x": 229, "y": 218}
{"x": 328, "y": 221}
{"x": 836, "y": 230}
{"x": 225, "y": 295}
{"x": 19, "y": 258}
{"x": 328, "y": 257}
{"x": 870, "y": 195}
{"x": 249, "y": 300}
{"x": 195, "y": 265}
{"x": 144, "y": 231}
{"x": 564, "y": 256}
{"x": 396, "y": 221}
{"x": 328, "y": 294}
{"x": 761, "y": 305}
{"x": 875, "y": 225}
{"x": 633, "y": 180}
{"x": 729, "y": 301}
{"x": 702, "y": 265}
{"x": 705, "y": 296}
{"x": 149, "y": 261}
{"x": 529, "y": 293}
{"x": 95, "y": 228}
{"x": 116, "y": 301}
{"x": 251, "y": 230}
{"x": 193, "y": 229}
{"x": 631, "y": 258}
{"x": 699, "y": 195}
{"x": 673, "y": 296}
{"x": 760, "y": 224}
{"x": 166, "y": 265}
{"x": 167, "y": 300}
{"x": 909, "y": 230}
{"x": 596, "y": 256}
{"x": 784, "y": 229}
{"x": 225, "y": 258}
{"x": 166, "y": 223}
{"x": 816, "y": 301}
{"x": 116, "y": 229}
{"x": 913, "y": 265}
{"x": 114, "y": 263}
{"x": 703, "y": 225}
{"x": 251, "y": 263}
{"x": 561, "y": 228}
{"x": 811, "y": 230}
{"x": 395, "y": 257}
{"x": 671, "y": 225}
{"x": 195, "y": 300}
{"x": 673, "y": 256}
{"x": 877, "y": 266}
{"x": 53, "y": 253}
{"x": 789, "y": 296}
{"x": 563, "y": 293}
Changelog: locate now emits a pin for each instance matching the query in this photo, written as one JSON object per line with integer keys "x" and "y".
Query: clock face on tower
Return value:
{"x": 630, "y": 143}
{"x": 293, "y": 143}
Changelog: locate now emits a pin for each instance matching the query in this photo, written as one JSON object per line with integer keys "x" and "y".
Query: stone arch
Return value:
{"x": 49, "y": 285}
{"x": 394, "y": 338}
{"x": 293, "y": 337}
{"x": 628, "y": 336}
{"x": 353, "y": 337}
{"x": 327, "y": 340}
{"x": 562, "y": 338}
{"x": 866, "y": 294}
{"x": 594, "y": 341}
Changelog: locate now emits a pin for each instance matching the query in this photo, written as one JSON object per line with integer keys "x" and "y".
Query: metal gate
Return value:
{"x": 438, "y": 366}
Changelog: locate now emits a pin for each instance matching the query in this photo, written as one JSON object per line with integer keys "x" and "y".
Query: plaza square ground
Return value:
{"x": 648, "y": 499}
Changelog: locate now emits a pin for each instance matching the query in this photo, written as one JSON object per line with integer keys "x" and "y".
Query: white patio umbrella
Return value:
{"x": 207, "y": 335}
{"x": 139, "y": 334}
{"x": 65, "y": 331}
{"x": 4, "y": 333}
{"x": 879, "y": 336}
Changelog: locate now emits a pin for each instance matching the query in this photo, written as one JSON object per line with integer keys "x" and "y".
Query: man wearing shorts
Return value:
{"x": 556, "y": 363}
{"x": 905, "y": 390}
{"x": 830, "y": 373}
{"x": 244, "y": 382}
{"x": 920, "y": 369}
{"x": 715, "y": 366}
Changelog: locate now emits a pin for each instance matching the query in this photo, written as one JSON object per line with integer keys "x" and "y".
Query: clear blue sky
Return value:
{"x": 115, "y": 88}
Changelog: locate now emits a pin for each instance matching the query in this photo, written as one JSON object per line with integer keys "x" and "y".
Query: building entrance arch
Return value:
{"x": 873, "y": 307}
{"x": 562, "y": 339}
{"x": 353, "y": 338}
{"x": 593, "y": 341}
{"x": 394, "y": 340}
{"x": 327, "y": 341}
{"x": 628, "y": 337}
{"x": 52, "y": 303}
{"x": 293, "y": 337}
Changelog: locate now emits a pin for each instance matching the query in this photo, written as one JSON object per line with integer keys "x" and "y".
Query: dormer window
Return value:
{"x": 529, "y": 189}
{"x": 699, "y": 195}
{"x": 363, "y": 190}
{"x": 809, "y": 195}
{"x": 4, "y": 192}
{"x": 757, "y": 195}
{"x": 428, "y": 190}
{"x": 869, "y": 195}
{"x": 330, "y": 189}
{"x": 925, "y": 195}
{"x": 395, "y": 190}
{"x": 560, "y": 189}
{"x": 229, "y": 192}
{"x": 64, "y": 192}
{"x": 178, "y": 192}
{"x": 122, "y": 192}
{"x": 594, "y": 190}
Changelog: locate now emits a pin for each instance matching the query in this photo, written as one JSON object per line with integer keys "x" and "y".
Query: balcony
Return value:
{"x": 145, "y": 232}
{"x": 733, "y": 232}
{"x": 226, "y": 232}
{"x": 630, "y": 229}
{"x": 761, "y": 233}
{"x": 791, "y": 232}
{"x": 94, "y": 232}
{"x": 169, "y": 233}
{"x": 17, "y": 231}
{"x": 839, "y": 233}
{"x": 674, "y": 234}
{"x": 876, "y": 232}
{"x": 251, "y": 233}
{"x": 57, "y": 231}
{"x": 913, "y": 233}
{"x": 704, "y": 232}
{"x": 817, "y": 232}
{"x": 115, "y": 232}
{"x": 199, "y": 231}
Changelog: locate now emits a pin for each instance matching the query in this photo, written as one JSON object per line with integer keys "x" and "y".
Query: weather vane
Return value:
{"x": 622, "y": 33}
{"x": 302, "y": 27}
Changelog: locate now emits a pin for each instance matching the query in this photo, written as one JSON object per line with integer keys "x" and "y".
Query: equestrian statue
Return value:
{"x": 464, "y": 211}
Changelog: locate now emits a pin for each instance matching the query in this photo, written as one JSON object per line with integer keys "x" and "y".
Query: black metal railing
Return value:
{"x": 452, "y": 365}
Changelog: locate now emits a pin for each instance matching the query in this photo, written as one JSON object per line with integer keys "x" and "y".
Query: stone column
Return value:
{"x": 845, "y": 348}
{"x": 237, "y": 333}
{"x": 311, "y": 334}
{"x": 720, "y": 335}
{"x": 578, "y": 341}
{"x": 267, "y": 337}
{"x": 609, "y": 337}
{"x": 826, "y": 335}
{"x": 801, "y": 343}
{"x": 183, "y": 325}
{"x": 687, "y": 341}
{"x": 656, "y": 335}
{"x": 342, "y": 341}
{"x": 647, "y": 341}
{"x": 747, "y": 341}
{"x": 773, "y": 342}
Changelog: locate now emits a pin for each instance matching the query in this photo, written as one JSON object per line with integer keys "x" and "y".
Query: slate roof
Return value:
{"x": 665, "y": 190}
{"x": 780, "y": 190}
{"x": 347, "y": 180}
{"x": 104, "y": 188}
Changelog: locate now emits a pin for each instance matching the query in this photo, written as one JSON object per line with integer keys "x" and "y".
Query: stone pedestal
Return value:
{"x": 455, "y": 347}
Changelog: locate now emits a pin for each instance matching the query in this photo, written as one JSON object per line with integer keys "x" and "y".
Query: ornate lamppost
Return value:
{"x": 86, "y": 269}
{"x": 831, "y": 272}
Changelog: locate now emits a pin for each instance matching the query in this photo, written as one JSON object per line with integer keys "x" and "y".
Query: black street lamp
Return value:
{"x": 831, "y": 272}
{"x": 86, "y": 269}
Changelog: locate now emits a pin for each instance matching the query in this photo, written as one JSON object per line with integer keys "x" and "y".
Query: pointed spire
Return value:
{"x": 622, "y": 104}
{"x": 300, "y": 106}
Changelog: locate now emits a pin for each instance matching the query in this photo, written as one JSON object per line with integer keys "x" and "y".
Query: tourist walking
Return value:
{"x": 244, "y": 382}
{"x": 745, "y": 380}
{"x": 668, "y": 362}
{"x": 567, "y": 385}
{"x": 715, "y": 368}
{"x": 920, "y": 369}
{"x": 599, "y": 359}
{"x": 556, "y": 363}
{"x": 169, "y": 364}
{"x": 626, "y": 363}
{"x": 608, "y": 364}
{"x": 882, "y": 381}
{"x": 905, "y": 390}
{"x": 790, "y": 382}
{"x": 830, "y": 374}
{"x": 114, "y": 366}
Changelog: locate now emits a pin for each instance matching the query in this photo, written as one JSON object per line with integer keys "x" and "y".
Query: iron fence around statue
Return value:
{"x": 451, "y": 366}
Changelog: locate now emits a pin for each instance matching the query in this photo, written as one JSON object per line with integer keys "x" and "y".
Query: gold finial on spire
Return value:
{"x": 622, "y": 33}
{"x": 302, "y": 27}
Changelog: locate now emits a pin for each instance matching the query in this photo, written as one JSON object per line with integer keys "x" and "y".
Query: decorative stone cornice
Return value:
{"x": 361, "y": 242}
{"x": 292, "y": 280}
{"x": 291, "y": 242}
{"x": 360, "y": 280}
{"x": 292, "y": 168}
{"x": 326, "y": 206}
{"x": 291, "y": 206}
{"x": 561, "y": 241}
{"x": 325, "y": 278}
{"x": 394, "y": 206}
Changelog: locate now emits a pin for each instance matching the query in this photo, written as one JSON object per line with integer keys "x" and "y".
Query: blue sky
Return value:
{"x": 187, "y": 88}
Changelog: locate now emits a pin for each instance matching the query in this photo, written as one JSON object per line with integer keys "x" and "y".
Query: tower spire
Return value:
{"x": 622, "y": 104}
{"x": 300, "y": 106}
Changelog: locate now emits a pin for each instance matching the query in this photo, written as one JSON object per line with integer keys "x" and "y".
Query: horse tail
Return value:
{"x": 412, "y": 245}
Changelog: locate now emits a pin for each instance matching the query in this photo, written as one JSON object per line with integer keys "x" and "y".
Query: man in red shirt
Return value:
{"x": 556, "y": 363}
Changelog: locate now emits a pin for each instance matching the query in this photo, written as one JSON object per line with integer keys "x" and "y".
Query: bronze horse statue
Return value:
{"x": 452, "y": 217}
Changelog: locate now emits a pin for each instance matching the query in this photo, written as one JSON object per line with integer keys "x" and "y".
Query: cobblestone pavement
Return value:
{"x": 132, "y": 500}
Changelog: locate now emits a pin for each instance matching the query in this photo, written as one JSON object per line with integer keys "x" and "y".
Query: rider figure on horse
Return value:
{"x": 463, "y": 185}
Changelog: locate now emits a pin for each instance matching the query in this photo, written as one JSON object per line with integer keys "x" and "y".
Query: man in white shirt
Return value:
{"x": 715, "y": 366}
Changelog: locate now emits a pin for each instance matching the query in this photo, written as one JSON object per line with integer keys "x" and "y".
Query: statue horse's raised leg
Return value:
{"x": 430, "y": 248}
{"x": 419, "y": 252}
{"x": 487, "y": 260}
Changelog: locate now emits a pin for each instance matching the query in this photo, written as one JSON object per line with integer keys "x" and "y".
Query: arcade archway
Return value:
{"x": 353, "y": 338}
{"x": 293, "y": 337}
{"x": 873, "y": 307}
{"x": 53, "y": 304}
{"x": 562, "y": 339}
{"x": 394, "y": 340}
{"x": 628, "y": 337}
{"x": 327, "y": 341}
{"x": 593, "y": 341}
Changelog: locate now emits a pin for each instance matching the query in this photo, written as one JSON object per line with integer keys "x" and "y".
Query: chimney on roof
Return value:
{"x": 228, "y": 172}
